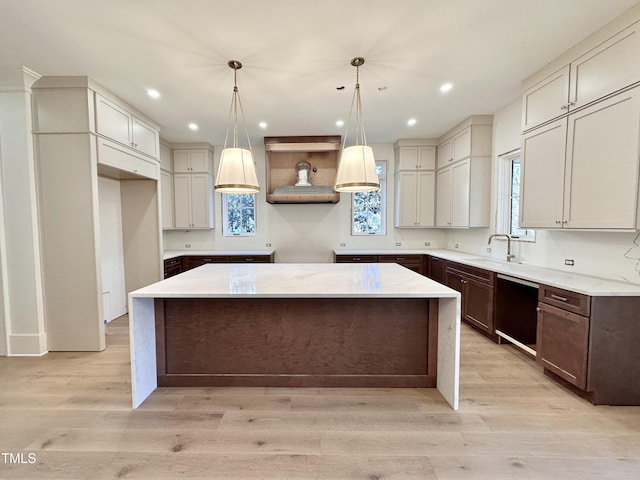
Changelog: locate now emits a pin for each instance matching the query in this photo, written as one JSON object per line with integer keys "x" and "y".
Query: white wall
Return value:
{"x": 111, "y": 248}
{"x": 306, "y": 232}
{"x": 604, "y": 254}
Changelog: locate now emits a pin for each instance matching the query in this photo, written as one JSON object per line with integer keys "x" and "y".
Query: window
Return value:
{"x": 238, "y": 215}
{"x": 368, "y": 209}
{"x": 509, "y": 206}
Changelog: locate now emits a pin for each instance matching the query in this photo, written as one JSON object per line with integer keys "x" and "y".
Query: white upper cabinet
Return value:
{"x": 197, "y": 160}
{"x": 473, "y": 140}
{"x": 415, "y": 164}
{"x": 165, "y": 158}
{"x": 415, "y": 199}
{"x": 193, "y": 200}
{"x": 546, "y": 100}
{"x": 581, "y": 172}
{"x": 580, "y": 167}
{"x": 462, "y": 194}
{"x": 416, "y": 158}
{"x": 542, "y": 176}
{"x": 606, "y": 68}
{"x": 116, "y": 123}
{"x": 611, "y": 66}
{"x": 601, "y": 170}
{"x": 166, "y": 187}
{"x": 463, "y": 180}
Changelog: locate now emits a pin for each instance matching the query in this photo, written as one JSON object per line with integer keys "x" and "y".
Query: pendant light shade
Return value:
{"x": 237, "y": 170}
{"x": 357, "y": 166}
{"x": 357, "y": 170}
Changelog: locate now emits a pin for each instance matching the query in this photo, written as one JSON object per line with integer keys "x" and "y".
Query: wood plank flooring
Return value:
{"x": 71, "y": 411}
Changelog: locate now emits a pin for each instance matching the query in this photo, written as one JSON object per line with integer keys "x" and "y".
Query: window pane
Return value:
{"x": 238, "y": 214}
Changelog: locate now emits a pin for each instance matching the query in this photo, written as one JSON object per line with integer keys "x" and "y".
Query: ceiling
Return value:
{"x": 296, "y": 53}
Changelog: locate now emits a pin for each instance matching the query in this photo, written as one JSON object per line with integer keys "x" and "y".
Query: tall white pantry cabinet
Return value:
{"x": 82, "y": 131}
{"x": 581, "y": 130}
{"x": 415, "y": 164}
{"x": 463, "y": 177}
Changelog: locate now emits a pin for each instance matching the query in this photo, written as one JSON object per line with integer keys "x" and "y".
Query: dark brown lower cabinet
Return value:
{"x": 590, "y": 344}
{"x": 412, "y": 262}
{"x": 563, "y": 343}
{"x": 476, "y": 287}
{"x": 436, "y": 269}
{"x": 176, "y": 265}
{"x": 172, "y": 266}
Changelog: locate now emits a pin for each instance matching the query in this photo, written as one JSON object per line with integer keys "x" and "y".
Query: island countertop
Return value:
{"x": 300, "y": 280}
{"x": 396, "y": 291}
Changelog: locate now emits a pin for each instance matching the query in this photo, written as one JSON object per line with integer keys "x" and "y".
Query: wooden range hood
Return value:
{"x": 282, "y": 156}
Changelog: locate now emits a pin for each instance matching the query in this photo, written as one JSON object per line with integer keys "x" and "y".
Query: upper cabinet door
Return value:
{"x": 445, "y": 153}
{"x": 542, "y": 180}
{"x": 113, "y": 121}
{"x": 462, "y": 145}
{"x": 199, "y": 161}
{"x": 460, "y": 185}
{"x": 601, "y": 176}
{"x": 145, "y": 138}
{"x": 611, "y": 66}
{"x": 546, "y": 100}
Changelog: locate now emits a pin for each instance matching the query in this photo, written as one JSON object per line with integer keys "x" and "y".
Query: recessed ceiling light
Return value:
{"x": 193, "y": 126}
{"x": 339, "y": 123}
{"x": 445, "y": 87}
{"x": 262, "y": 124}
{"x": 153, "y": 93}
{"x": 411, "y": 122}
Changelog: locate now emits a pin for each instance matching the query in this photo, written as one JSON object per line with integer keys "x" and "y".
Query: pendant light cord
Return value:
{"x": 233, "y": 113}
{"x": 360, "y": 136}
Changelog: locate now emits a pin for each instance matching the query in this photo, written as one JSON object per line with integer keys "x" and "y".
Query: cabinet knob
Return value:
{"x": 564, "y": 107}
{"x": 537, "y": 309}
{"x": 558, "y": 221}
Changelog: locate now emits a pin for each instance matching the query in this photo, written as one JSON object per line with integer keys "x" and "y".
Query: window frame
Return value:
{"x": 382, "y": 177}
{"x": 505, "y": 197}
{"x": 225, "y": 216}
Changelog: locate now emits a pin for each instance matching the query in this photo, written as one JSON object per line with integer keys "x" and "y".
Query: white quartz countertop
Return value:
{"x": 585, "y": 284}
{"x": 299, "y": 280}
{"x": 179, "y": 253}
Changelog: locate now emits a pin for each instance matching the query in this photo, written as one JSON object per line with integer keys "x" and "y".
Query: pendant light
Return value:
{"x": 357, "y": 167}
{"x": 237, "y": 170}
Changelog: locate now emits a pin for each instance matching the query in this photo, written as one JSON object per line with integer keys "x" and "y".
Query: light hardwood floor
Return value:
{"x": 71, "y": 411}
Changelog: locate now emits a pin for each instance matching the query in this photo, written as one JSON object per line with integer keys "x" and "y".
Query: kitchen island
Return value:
{"x": 304, "y": 325}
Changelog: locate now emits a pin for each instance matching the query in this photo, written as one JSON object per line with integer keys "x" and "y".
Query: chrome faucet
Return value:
{"x": 509, "y": 256}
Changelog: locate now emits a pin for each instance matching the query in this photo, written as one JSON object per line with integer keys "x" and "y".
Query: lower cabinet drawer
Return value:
{"x": 565, "y": 299}
{"x": 250, "y": 258}
{"x": 356, "y": 259}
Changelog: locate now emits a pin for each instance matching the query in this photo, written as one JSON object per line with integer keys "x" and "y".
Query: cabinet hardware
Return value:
{"x": 558, "y": 221}
{"x": 564, "y": 107}
{"x": 357, "y": 259}
{"x": 558, "y": 297}
{"x": 538, "y": 309}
